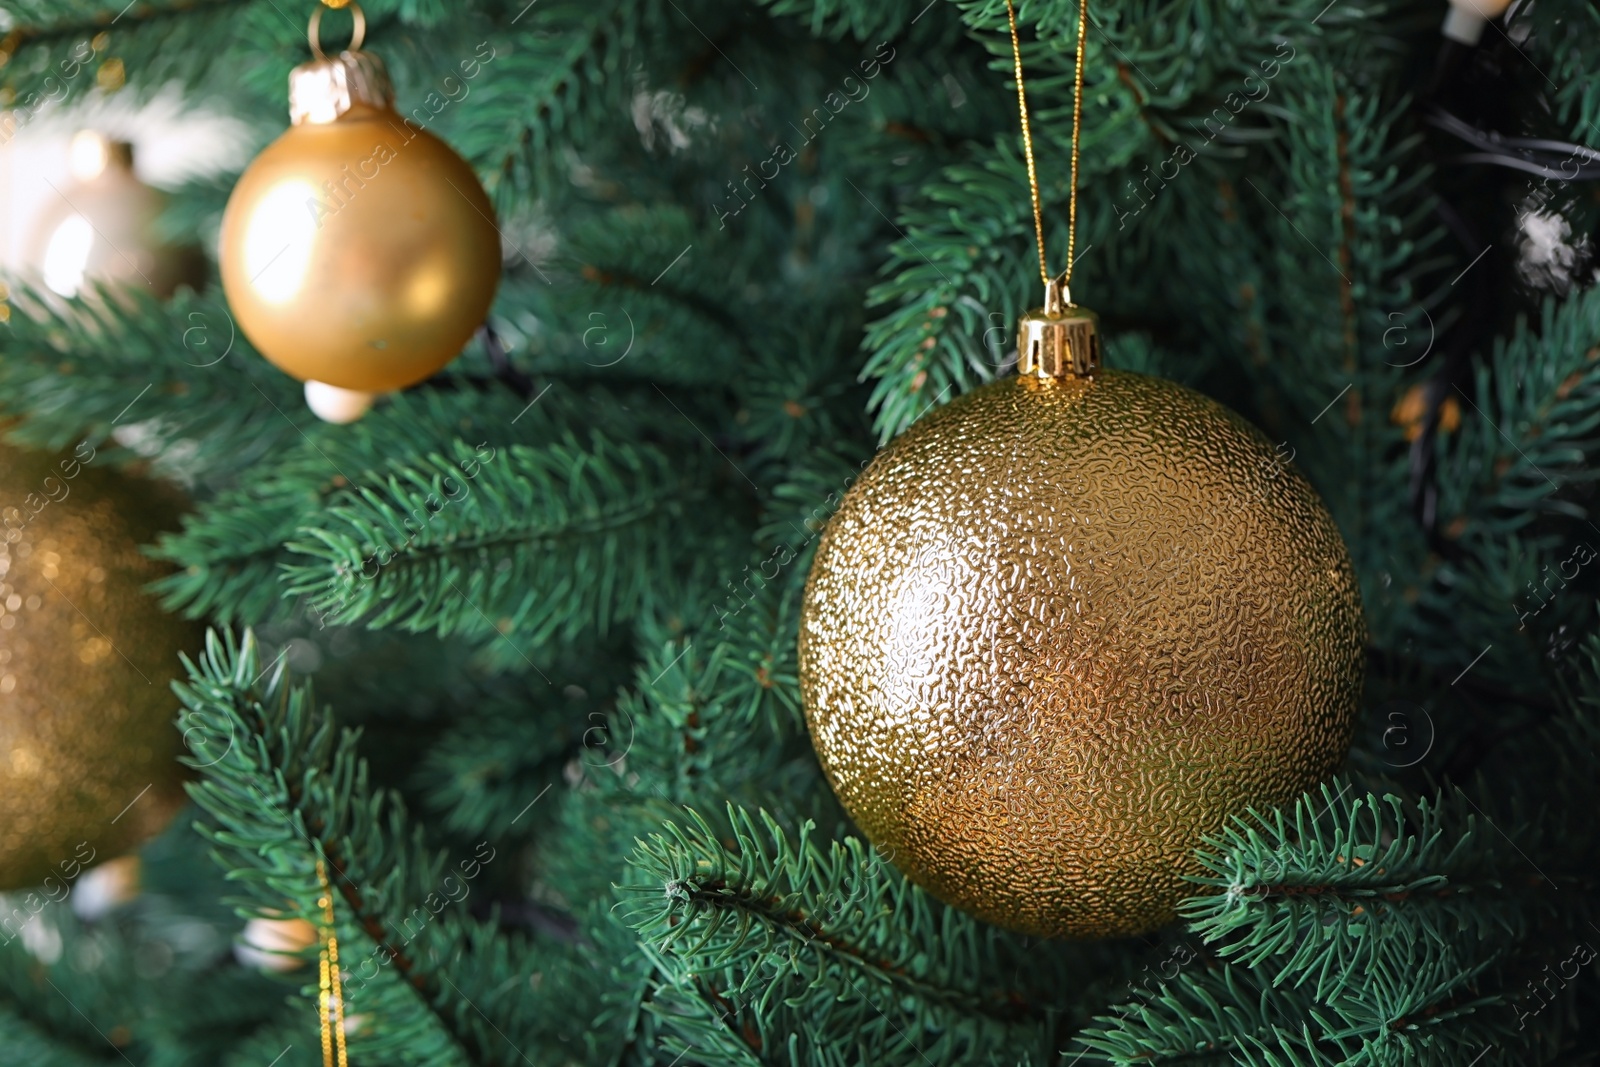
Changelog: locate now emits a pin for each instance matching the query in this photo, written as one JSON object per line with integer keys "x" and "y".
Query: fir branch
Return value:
{"x": 554, "y": 79}
{"x": 545, "y": 541}
{"x": 294, "y": 1039}
{"x": 1558, "y": 34}
{"x": 965, "y": 259}
{"x": 861, "y": 19}
{"x": 1511, "y": 499}
{"x": 1530, "y": 427}
{"x": 1337, "y": 890}
{"x": 287, "y": 788}
{"x": 65, "y": 45}
{"x": 709, "y": 717}
{"x": 637, "y": 293}
{"x": 231, "y": 555}
{"x": 74, "y": 991}
{"x": 713, "y": 716}
{"x": 771, "y": 932}
{"x": 436, "y": 481}
{"x": 39, "y": 19}
{"x": 174, "y": 374}
{"x": 1232, "y": 1014}
{"x": 23, "y": 1042}
{"x": 488, "y": 770}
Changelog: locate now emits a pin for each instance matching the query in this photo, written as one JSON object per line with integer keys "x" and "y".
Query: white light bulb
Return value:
{"x": 1467, "y": 18}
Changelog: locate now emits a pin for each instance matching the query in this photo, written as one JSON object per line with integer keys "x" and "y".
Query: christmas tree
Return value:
{"x": 503, "y": 677}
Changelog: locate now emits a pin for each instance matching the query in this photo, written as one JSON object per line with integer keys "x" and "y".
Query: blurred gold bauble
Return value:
{"x": 102, "y": 229}
{"x": 273, "y": 944}
{"x": 358, "y": 249}
{"x": 87, "y": 745}
{"x": 1060, "y": 630}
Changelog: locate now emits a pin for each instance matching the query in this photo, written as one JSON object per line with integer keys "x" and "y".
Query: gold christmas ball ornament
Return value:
{"x": 88, "y": 751}
{"x": 102, "y": 229}
{"x": 1064, "y": 627}
{"x": 358, "y": 250}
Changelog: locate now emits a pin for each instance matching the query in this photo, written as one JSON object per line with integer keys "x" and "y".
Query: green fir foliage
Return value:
{"x": 515, "y": 655}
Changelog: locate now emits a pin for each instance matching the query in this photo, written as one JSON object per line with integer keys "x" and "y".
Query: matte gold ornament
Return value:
{"x": 87, "y": 745}
{"x": 358, "y": 249}
{"x": 1063, "y": 628}
{"x": 102, "y": 229}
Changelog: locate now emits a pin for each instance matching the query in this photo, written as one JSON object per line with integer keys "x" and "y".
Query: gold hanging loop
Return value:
{"x": 358, "y": 35}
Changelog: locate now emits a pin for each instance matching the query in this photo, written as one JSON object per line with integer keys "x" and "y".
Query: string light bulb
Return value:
{"x": 1467, "y": 18}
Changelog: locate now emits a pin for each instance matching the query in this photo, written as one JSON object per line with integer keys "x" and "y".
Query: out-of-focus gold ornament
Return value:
{"x": 358, "y": 249}
{"x": 273, "y": 944}
{"x": 1063, "y": 628}
{"x": 87, "y": 747}
{"x": 102, "y": 229}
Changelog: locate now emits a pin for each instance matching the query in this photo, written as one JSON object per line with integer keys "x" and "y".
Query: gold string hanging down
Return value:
{"x": 330, "y": 998}
{"x": 1027, "y": 142}
{"x": 1060, "y": 339}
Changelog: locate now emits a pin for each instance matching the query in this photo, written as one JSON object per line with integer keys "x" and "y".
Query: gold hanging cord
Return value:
{"x": 330, "y": 999}
{"x": 1027, "y": 143}
{"x": 1059, "y": 340}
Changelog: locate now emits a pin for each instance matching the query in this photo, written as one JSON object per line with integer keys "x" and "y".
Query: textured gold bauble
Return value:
{"x": 102, "y": 229}
{"x": 358, "y": 249}
{"x": 1060, "y": 630}
{"x": 87, "y": 745}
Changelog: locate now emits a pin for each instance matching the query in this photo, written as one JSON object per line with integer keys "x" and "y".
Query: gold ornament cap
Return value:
{"x": 329, "y": 86}
{"x": 1059, "y": 340}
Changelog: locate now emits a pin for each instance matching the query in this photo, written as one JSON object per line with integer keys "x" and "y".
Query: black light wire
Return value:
{"x": 1557, "y": 162}
{"x": 1543, "y": 158}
